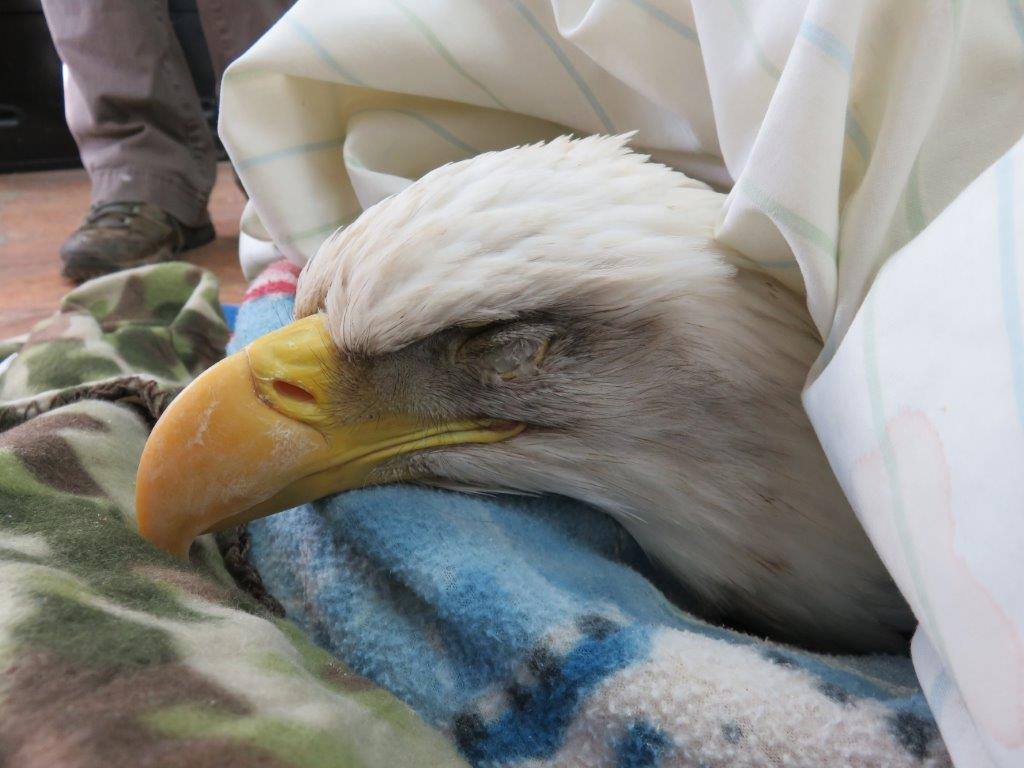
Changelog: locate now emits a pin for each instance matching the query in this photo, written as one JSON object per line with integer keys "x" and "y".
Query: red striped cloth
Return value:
{"x": 280, "y": 278}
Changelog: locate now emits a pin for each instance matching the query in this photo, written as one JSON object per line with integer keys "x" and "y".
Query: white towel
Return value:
{"x": 873, "y": 149}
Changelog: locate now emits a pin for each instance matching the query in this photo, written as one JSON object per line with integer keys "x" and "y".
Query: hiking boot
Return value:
{"x": 120, "y": 235}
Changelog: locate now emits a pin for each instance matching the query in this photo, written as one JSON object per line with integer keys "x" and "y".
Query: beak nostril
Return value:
{"x": 293, "y": 391}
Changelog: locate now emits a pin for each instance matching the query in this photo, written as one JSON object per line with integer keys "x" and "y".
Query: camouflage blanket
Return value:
{"x": 112, "y": 653}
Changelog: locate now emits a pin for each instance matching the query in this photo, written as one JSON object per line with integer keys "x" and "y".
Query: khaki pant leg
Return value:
{"x": 131, "y": 104}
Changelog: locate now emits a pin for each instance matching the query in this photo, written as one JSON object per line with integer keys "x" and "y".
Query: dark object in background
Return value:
{"x": 33, "y": 134}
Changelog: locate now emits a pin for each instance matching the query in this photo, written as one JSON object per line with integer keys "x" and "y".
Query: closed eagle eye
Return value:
{"x": 504, "y": 352}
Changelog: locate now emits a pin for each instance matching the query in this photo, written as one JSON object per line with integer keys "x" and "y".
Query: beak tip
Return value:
{"x": 155, "y": 524}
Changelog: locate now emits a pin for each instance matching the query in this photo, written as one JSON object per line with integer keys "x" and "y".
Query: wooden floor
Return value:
{"x": 39, "y": 210}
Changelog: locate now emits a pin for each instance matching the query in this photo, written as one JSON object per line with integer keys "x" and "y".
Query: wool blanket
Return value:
{"x": 534, "y": 632}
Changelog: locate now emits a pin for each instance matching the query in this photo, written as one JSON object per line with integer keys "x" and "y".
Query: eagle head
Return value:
{"x": 549, "y": 318}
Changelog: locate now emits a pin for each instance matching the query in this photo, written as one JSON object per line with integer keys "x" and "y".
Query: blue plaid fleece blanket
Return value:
{"x": 527, "y": 629}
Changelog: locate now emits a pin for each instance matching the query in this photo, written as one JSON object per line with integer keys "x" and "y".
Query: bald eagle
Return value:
{"x": 555, "y": 318}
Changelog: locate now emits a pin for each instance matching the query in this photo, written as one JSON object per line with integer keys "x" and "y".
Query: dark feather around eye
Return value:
{"x": 508, "y": 350}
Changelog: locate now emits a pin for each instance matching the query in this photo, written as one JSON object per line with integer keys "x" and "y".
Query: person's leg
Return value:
{"x": 132, "y": 107}
{"x": 231, "y": 26}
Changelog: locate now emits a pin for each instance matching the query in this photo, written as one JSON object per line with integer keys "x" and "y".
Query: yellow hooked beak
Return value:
{"x": 256, "y": 433}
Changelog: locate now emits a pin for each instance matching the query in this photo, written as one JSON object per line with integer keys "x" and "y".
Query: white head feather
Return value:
{"x": 512, "y": 232}
{"x": 683, "y": 419}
